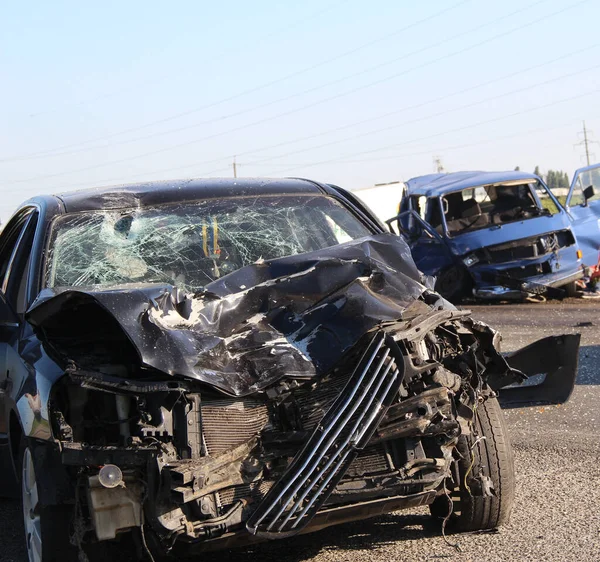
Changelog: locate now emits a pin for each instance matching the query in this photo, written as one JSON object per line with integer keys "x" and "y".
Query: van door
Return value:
{"x": 585, "y": 212}
{"x": 421, "y": 225}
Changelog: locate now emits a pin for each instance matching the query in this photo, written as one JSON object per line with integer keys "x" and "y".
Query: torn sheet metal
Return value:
{"x": 555, "y": 360}
{"x": 294, "y": 316}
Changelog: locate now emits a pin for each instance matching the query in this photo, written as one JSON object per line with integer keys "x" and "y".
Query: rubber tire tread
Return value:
{"x": 460, "y": 290}
{"x": 494, "y": 458}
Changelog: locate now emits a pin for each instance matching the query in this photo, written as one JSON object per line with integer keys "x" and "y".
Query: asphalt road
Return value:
{"x": 557, "y": 456}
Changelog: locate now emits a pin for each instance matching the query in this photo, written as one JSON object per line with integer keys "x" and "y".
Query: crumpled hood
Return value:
{"x": 288, "y": 317}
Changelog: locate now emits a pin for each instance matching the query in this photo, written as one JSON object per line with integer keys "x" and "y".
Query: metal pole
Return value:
{"x": 585, "y": 142}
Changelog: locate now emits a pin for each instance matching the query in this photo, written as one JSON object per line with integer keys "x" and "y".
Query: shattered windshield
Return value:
{"x": 490, "y": 205}
{"x": 194, "y": 243}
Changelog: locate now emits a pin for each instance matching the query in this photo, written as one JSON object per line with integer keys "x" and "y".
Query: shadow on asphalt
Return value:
{"x": 370, "y": 534}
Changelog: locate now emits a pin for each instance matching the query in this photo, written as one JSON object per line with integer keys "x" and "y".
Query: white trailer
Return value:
{"x": 382, "y": 198}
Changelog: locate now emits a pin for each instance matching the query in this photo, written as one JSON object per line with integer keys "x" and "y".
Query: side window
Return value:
{"x": 545, "y": 199}
{"x": 584, "y": 180}
{"x": 14, "y": 274}
{"x": 434, "y": 215}
{"x": 8, "y": 242}
{"x": 577, "y": 198}
{"x": 418, "y": 203}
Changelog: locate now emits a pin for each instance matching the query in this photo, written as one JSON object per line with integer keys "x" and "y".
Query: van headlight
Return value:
{"x": 470, "y": 260}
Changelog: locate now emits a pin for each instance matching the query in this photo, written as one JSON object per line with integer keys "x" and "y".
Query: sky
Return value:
{"x": 343, "y": 91}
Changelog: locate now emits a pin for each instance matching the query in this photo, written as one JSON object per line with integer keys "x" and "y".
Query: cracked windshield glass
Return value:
{"x": 192, "y": 244}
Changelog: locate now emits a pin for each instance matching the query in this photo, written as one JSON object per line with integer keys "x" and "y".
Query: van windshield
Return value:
{"x": 489, "y": 205}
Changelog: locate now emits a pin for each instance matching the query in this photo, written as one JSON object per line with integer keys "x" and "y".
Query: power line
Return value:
{"x": 430, "y": 116}
{"x": 433, "y": 115}
{"x": 254, "y": 89}
{"x": 401, "y": 110}
{"x": 458, "y": 129}
{"x": 394, "y": 157}
{"x": 222, "y": 55}
{"x": 520, "y": 134}
{"x": 348, "y": 158}
{"x": 377, "y": 82}
{"x": 430, "y": 46}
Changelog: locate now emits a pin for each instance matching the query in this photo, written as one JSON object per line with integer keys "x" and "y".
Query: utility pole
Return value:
{"x": 234, "y": 168}
{"x": 438, "y": 165}
{"x": 585, "y": 142}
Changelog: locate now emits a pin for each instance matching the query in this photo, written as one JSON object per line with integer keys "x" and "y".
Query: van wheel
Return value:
{"x": 454, "y": 283}
{"x": 571, "y": 289}
{"x": 47, "y": 529}
{"x": 490, "y": 457}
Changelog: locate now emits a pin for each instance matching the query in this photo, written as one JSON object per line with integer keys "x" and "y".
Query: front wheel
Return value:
{"x": 454, "y": 283}
{"x": 571, "y": 289}
{"x": 485, "y": 455}
{"x": 47, "y": 536}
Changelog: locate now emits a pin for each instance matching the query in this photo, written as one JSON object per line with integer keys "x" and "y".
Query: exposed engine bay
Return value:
{"x": 287, "y": 396}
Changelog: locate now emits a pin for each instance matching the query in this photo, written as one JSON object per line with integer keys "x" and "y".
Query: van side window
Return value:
{"x": 434, "y": 215}
{"x": 577, "y": 198}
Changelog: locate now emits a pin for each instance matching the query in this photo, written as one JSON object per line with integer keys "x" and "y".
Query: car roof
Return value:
{"x": 438, "y": 184}
{"x": 172, "y": 191}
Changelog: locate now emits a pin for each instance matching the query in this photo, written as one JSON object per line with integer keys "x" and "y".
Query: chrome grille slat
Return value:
{"x": 332, "y": 438}
{"x": 310, "y": 450}
{"x": 344, "y": 430}
{"x": 351, "y": 439}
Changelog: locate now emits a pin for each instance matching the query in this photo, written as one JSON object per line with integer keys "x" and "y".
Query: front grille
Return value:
{"x": 369, "y": 461}
{"x": 528, "y": 270}
{"x": 527, "y": 247}
{"x": 344, "y": 430}
{"x": 229, "y": 422}
{"x": 506, "y": 254}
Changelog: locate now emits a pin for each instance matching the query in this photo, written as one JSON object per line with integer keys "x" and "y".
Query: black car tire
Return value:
{"x": 454, "y": 283}
{"x": 51, "y": 525}
{"x": 491, "y": 456}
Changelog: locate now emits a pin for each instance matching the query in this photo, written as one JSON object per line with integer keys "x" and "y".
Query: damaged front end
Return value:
{"x": 290, "y": 395}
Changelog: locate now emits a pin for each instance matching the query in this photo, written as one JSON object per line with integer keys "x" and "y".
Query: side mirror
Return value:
{"x": 8, "y": 317}
{"x": 589, "y": 192}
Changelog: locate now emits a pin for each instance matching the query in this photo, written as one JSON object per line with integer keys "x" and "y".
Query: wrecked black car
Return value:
{"x": 203, "y": 364}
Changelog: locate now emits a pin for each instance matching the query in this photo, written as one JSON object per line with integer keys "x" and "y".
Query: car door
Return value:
{"x": 15, "y": 253}
{"x": 583, "y": 204}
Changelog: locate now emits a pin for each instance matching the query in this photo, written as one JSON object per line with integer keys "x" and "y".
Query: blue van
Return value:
{"x": 498, "y": 235}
